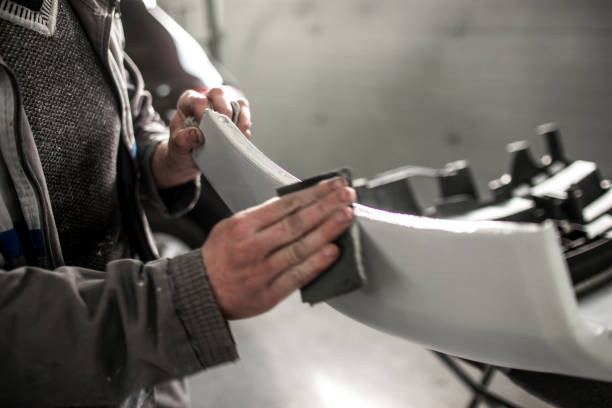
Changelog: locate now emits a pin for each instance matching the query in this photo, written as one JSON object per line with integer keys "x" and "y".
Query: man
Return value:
{"x": 88, "y": 315}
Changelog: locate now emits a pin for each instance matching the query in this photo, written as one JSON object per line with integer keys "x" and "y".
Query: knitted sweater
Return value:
{"x": 76, "y": 125}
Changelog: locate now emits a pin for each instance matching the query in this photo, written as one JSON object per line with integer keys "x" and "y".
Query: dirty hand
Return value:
{"x": 172, "y": 162}
{"x": 259, "y": 256}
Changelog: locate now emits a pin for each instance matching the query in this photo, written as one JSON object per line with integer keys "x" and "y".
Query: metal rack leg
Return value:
{"x": 479, "y": 390}
{"x": 487, "y": 376}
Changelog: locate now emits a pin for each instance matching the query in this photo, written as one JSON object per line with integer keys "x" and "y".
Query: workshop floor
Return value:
{"x": 379, "y": 84}
{"x": 298, "y": 356}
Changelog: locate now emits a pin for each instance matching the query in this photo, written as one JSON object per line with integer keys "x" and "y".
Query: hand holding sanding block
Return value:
{"x": 347, "y": 273}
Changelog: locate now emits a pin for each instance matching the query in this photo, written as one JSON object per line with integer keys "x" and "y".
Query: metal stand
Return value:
{"x": 479, "y": 389}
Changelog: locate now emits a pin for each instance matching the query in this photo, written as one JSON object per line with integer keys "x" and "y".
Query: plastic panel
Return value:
{"x": 496, "y": 292}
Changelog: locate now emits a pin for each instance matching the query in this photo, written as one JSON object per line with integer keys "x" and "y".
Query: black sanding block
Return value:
{"x": 347, "y": 273}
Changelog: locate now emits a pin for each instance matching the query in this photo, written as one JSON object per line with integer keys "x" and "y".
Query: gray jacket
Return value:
{"x": 74, "y": 336}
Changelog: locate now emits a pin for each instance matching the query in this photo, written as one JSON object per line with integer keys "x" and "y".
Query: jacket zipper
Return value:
{"x": 28, "y": 171}
{"x": 142, "y": 241}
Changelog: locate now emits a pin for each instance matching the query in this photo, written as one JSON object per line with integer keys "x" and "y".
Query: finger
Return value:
{"x": 298, "y": 224}
{"x": 301, "y": 274}
{"x": 186, "y": 139}
{"x": 192, "y": 103}
{"x": 276, "y": 209}
{"x": 299, "y": 250}
{"x": 244, "y": 120}
{"x": 219, "y": 101}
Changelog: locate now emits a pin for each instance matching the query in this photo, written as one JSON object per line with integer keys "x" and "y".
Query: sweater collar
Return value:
{"x": 42, "y": 21}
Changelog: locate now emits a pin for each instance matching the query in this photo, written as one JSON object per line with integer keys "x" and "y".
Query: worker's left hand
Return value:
{"x": 172, "y": 162}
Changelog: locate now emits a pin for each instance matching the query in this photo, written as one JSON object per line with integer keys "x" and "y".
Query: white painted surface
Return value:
{"x": 513, "y": 206}
{"x": 598, "y": 207}
{"x": 563, "y": 180}
{"x": 599, "y": 226}
{"x": 488, "y": 291}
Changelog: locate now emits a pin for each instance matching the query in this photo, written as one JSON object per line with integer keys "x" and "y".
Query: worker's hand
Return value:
{"x": 172, "y": 162}
{"x": 259, "y": 256}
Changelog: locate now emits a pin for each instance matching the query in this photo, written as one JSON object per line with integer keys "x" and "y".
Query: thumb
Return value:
{"x": 186, "y": 139}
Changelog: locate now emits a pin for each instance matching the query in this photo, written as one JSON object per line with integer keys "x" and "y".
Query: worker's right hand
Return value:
{"x": 259, "y": 256}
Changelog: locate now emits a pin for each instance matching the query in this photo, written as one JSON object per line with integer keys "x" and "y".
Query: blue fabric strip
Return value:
{"x": 10, "y": 245}
{"x": 134, "y": 150}
{"x": 36, "y": 237}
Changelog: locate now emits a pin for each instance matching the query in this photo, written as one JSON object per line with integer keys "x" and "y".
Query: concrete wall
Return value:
{"x": 378, "y": 84}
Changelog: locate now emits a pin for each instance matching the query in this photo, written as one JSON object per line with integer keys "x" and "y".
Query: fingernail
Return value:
{"x": 339, "y": 183}
{"x": 346, "y": 195}
{"x": 197, "y": 136}
{"x": 330, "y": 250}
{"x": 344, "y": 215}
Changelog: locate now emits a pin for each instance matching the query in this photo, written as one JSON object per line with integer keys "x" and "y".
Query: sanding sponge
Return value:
{"x": 347, "y": 273}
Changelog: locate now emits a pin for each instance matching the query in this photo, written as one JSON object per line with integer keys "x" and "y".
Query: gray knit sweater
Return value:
{"x": 76, "y": 124}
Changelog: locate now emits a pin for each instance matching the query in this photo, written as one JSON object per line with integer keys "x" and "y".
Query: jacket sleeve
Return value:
{"x": 149, "y": 131}
{"x": 72, "y": 336}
